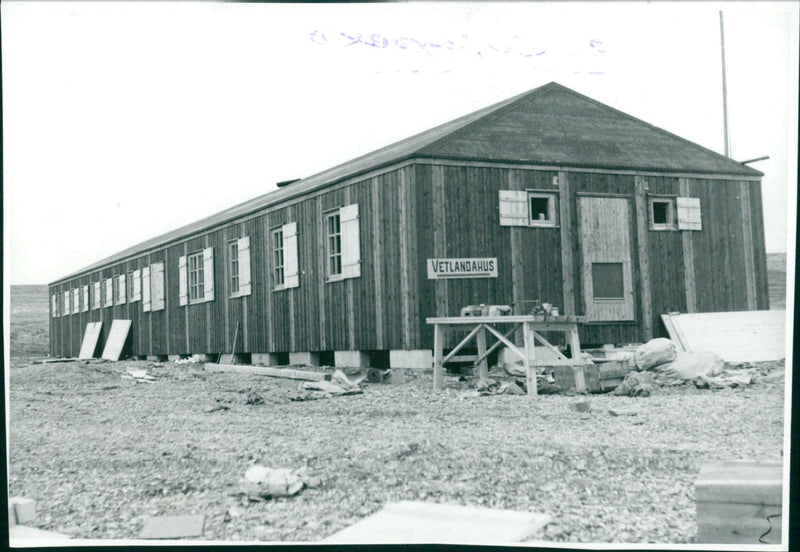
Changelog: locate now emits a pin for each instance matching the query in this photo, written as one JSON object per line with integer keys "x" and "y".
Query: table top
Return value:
{"x": 511, "y": 319}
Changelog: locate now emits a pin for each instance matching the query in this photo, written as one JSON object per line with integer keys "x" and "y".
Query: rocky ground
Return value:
{"x": 100, "y": 453}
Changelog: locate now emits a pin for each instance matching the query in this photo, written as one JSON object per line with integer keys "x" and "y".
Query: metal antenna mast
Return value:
{"x": 724, "y": 88}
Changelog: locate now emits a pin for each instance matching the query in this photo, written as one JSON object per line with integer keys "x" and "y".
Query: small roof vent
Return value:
{"x": 287, "y": 182}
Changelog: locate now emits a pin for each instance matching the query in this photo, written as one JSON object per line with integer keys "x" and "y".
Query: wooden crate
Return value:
{"x": 738, "y": 502}
{"x": 599, "y": 377}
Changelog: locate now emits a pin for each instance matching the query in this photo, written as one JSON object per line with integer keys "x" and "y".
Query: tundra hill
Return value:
{"x": 29, "y": 321}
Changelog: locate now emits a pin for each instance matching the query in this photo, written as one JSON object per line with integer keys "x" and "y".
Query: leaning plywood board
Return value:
{"x": 116, "y": 339}
{"x": 90, "y": 337}
{"x": 420, "y": 522}
{"x": 744, "y": 336}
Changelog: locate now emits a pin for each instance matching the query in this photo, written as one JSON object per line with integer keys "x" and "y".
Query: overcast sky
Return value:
{"x": 126, "y": 120}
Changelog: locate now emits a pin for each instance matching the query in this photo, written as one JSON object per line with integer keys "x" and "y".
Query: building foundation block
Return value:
{"x": 233, "y": 359}
{"x": 421, "y": 359}
{"x": 350, "y": 359}
{"x": 265, "y": 359}
{"x": 307, "y": 358}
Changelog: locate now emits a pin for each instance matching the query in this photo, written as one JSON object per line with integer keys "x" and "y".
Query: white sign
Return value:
{"x": 462, "y": 268}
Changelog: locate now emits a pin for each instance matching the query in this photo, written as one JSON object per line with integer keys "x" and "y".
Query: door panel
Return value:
{"x": 606, "y": 258}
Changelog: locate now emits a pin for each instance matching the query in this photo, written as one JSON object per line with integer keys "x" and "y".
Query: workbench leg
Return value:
{"x": 530, "y": 359}
{"x": 483, "y": 367}
{"x": 577, "y": 367}
{"x": 437, "y": 357}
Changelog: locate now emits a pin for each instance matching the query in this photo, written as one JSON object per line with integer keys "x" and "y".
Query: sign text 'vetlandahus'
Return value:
{"x": 462, "y": 268}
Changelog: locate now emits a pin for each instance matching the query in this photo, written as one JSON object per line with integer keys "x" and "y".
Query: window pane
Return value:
{"x": 660, "y": 212}
{"x": 607, "y": 281}
{"x": 539, "y": 208}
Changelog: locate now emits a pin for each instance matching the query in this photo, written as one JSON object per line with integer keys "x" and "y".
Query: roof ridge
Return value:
{"x": 658, "y": 129}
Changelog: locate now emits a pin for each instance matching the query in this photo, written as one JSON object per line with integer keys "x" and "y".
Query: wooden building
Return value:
{"x": 548, "y": 196}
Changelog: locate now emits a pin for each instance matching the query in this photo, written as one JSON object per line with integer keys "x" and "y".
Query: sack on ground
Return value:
{"x": 655, "y": 353}
{"x": 688, "y": 366}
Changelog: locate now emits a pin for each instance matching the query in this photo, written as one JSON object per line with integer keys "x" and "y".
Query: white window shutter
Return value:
{"x": 291, "y": 277}
{"x": 76, "y": 301}
{"x": 66, "y": 303}
{"x": 157, "y": 298}
{"x": 208, "y": 273}
{"x": 351, "y": 241}
{"x": 109, "y": 298}
{"x": 689, "y": 217}
{"x": 55, "y": 305}
{"x": 85, "y": 298}
{"x": 96, "y": 295}
{"x": 513, "y": 208}
{"x": 137, "y": 285}
{"x": 146, "y": 289}
{"x": 183, "y": 294}
{"x": 244, "y": 265}
{"x": 122, "y": 289}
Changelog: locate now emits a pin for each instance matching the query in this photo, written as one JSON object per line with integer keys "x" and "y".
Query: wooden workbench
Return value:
{"x": 478, "y": 326}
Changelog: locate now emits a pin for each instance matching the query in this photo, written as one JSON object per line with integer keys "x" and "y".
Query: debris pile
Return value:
{"x": 636, "y": 384}
{"x": 339, "y": 385}
{"x": 194, "y": 359}
{"x": 663, "y": 364}
{"x": 488, "y": 386}
{"x": 139, "y": 376}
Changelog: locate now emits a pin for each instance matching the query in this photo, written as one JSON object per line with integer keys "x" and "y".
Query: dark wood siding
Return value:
{"x": 665, "y": 251}
{"x": 759, "y": 246}
{"x": 718, "y": 250}
{"x": 403, "y": 212}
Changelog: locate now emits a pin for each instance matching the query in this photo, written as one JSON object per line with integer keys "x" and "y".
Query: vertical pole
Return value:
{"x": 530, "y": 359}
{"x": 724, "y": 88}
{"x": 483, "y": 367}
{"x": 437, "y": 356}
{"x": 577, "y": 366}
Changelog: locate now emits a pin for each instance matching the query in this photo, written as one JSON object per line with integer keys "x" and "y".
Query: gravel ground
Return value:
{"x": 100, "y": 453}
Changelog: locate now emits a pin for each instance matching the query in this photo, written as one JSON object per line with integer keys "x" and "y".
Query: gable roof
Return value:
{"x": 550, "y": 125}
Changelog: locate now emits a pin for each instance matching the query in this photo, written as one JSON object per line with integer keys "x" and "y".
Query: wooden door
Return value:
{"x": 606, "y": 258}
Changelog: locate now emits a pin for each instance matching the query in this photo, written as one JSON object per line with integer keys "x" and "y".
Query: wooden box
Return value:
{"x": 739, "y": 502}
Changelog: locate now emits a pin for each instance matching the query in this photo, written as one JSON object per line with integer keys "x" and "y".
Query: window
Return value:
{"x": 542, "y": 209}
{"x": 131, "y": 289}
{"x": 76, "y": 301}
{"x": 607, "y": 281}
{"x": 66, "y": 304}
{"x": 277, "y": 258}
{"x": 196, "y": 277}
{"x": 528, "y": 208}
{"x": 662, "y": 213}
{"x": 233, "y": 267}
{"x": 55, "y": 305}
{"x": 85, "y": 304}
{"x": 334, "y": 244}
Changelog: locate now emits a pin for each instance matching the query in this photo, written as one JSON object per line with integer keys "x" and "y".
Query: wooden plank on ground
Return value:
{"x": 268, "y": 371}
{"x": 116, "y": 339}
{"x": 90, "y": 337}
{"x": 420, "y": 522}
{"x": 173, "y": 527}
{"x": 743, "y": 336}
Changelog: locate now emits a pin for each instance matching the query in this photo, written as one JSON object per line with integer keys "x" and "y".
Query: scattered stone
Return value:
{"x": 581, "y": 406}
{"x": 622, "y": 412}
